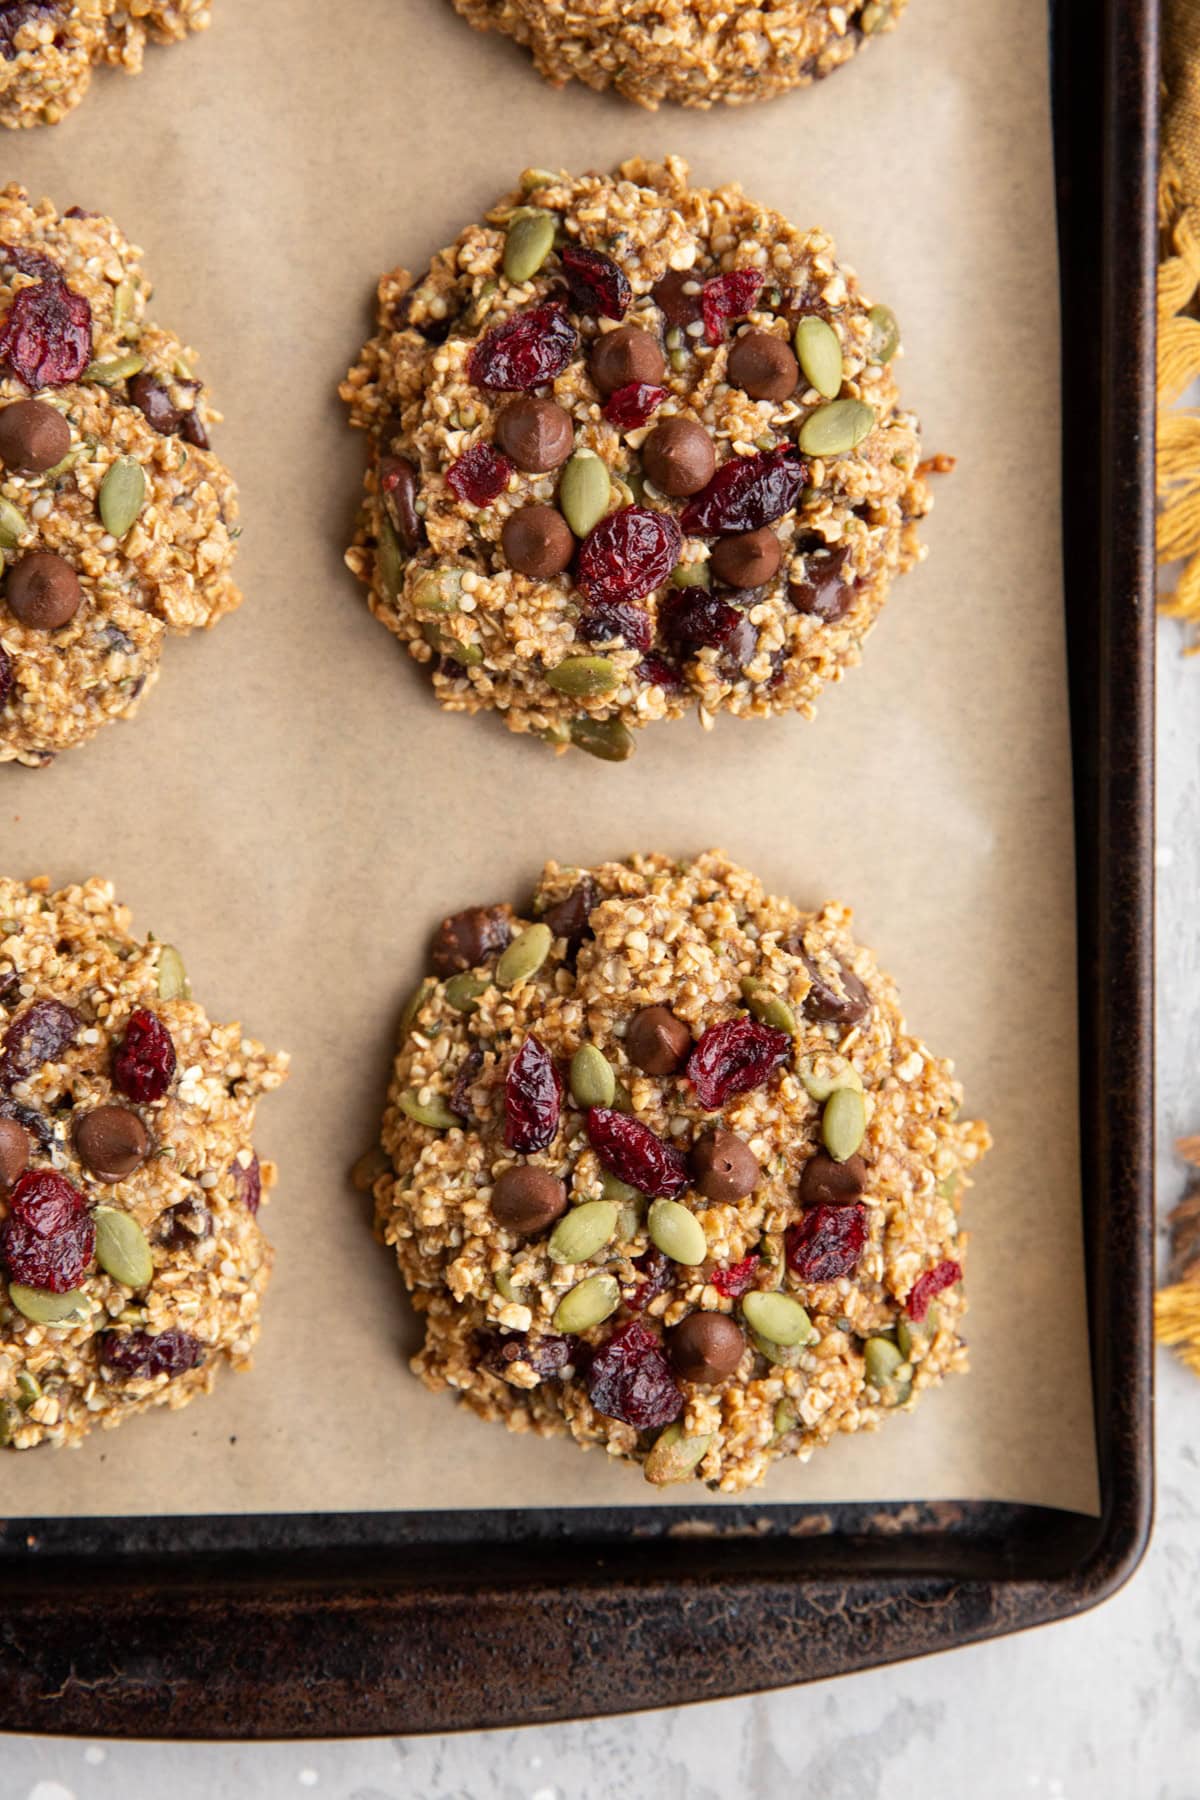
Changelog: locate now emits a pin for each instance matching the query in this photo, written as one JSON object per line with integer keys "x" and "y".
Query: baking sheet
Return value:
{"x": 295, "y": 812}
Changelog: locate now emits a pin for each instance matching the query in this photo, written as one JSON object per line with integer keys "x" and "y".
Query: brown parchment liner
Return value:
{"x": 294, "y": 811}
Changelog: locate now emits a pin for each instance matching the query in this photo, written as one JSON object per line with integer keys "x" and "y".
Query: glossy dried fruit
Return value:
{"x": 526, "y": 352}
{"x": 654, "y": 1278}
{"x": 633, "y": 1153}
{"x": 46, "y": 340}
{"x": 737, "y": 1278}
{"x": 598, "y": 285}
{"x": 141, "y": 1354}
{"x": 733, "y": 1057}
{"x": 547, "y": 1355}
{"x": 48, "y": 1238}
{"x": 660, "y": 671}
{"x": 630, "y": 1379}
{"x": 746, "y": 492}
{"x": 628, "y": 555}
{"x": 928, "y": 1286}
{"x": 826, "y": 1243}
{"x": 634, "y": 404}
{"x": 532, "y": 1098}
{"x": 460, "y": 1096}
{"x": 144, "y": 1065}
{"x": 480, "y": 475}
{"x": 5, "y": 677}
{"x": 617, "y": 619}
{"x": 398, "y": 485}
{"x": 247, "y": 1183}
{"x": 14, "y": 14}
{"x": 692, "y": 619}
{"x": 726, "y": 297}
{"x": 40, "y": 1034}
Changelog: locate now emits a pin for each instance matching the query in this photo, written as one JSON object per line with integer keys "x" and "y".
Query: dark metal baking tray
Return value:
{"x": 389, "y": 1623}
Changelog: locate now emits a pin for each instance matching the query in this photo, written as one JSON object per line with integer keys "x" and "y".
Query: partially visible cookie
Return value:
{"x": 131, "y": 1259}
{"x": 694, "y": 52}
{"x": 48, "y": 48}
{"x": 117, "y": 522}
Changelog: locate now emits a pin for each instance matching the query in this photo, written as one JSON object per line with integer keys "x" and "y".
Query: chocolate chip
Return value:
{"x": 527, "y": 1199}
{"x": 763, "y": 366}
{"x": 111, "y": 1142}
{"x": 679, "y": 457}
{"x": 825, "y": 1182}
{"x": 153, "y": 401}
{"x": 679, "y": 307}
{"x": 568, "y": 918}
{"x": 15, "y": 1146}
{"x": 747, "y": 560}
{"x": 398, "y": 485}
{"x": 739, "y": 648}
{"x": 625, "y": 355}
{"x": 193, "y": 430}
{"x": 657, "y": 1041}
{"x": 724, "y": 1166}
{"x": 823, "y": 590}
{"x": 43, "y": 591}
{"x": 535, "y": 433}
{"x": 469, "y": 938}
{"x": 33, "y": 437}
{"x": 184, "y": 1225}
{"x": 537, "y": 541}
{"x": 848, "y": 1006}
{"x": 705, "y": 1347}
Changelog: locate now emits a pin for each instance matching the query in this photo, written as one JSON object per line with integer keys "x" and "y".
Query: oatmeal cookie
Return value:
{"x": 131, "y": 1259}
{"x": 690, "y": 51}
{"x": 663, "y": 1168}
{"x": 48, "y": 48}
{"x": 634, "y": 448}
{"x": 117, "y": 523}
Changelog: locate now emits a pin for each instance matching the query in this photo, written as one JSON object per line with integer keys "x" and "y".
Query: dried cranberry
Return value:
{"x": 928, "y": 1286}
{"x": 728, "y": 297}
{"x": 547, "y": 1356}
{"x": 660, "y": 671}
{"x": 745, "y": 493}
{"x": 532, "y": 1098}
{"x": 617, "y": 619}
{"x": 144, "y": 1065}
{"x": 398, "y": 485}
{"x": 632, "y": 405}
{"x": 654, "y": 1278}
{"x": 247, "y": 1183}
{"x": 48, "y": 1237}
{"x": 826, "y": 1243}
{"x": 630, "y": 1379}
{"x": 631, "y": 1151}
{"x": 628, "y": 555}
{"x": 5, "y": 676}
{"x": 693, "y": 619}
{"x": 15, "y": 13}
{"x": 29, "y": 262}
{"x": 597, "y": 284}
{"x": 736, "y": 1278}
{"x": 733, "y": 1057}
{"x": 460, "y": 1098}
{"x": 480, "y": 475}
{"x": 141, "y": 1354}
{"x": 526, "y": 352}
{"x": 38, "y": 1035}
{"x": 46, "y": 340}
{"x": 36, "y": 1123}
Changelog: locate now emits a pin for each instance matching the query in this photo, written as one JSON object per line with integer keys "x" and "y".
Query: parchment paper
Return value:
{"x": 294, "y": 811}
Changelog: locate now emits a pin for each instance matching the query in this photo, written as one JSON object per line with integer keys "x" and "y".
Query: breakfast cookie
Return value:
{"x": 131, "y": 1259}
{"x": 48, "y": 48}
{"x": 663, "y": 1168}
{"x": 117, "y": 523}
{"x": 690, "y": 51}
{"x": 634, "y": 448}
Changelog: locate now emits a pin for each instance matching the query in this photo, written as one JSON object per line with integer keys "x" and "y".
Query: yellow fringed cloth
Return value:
{"x": 1179, "y": 308}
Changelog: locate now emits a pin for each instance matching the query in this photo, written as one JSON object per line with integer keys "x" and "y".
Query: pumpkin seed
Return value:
{"x": 948, "y": 1186}
{"x": 589, "y": 1303}
{"x": 29, "y": 1390}
{"x": 606, "y": 739}
{"x": 784, "y": 1356}
{"x": 504, "y": 1286}
{"x": 690, "y": 575}
{"x": 885, "y": 334}
{"x": 463, "y": 991}
{"x": 873, "y": 18}
{"x": 13, "y": 525}
{"x": 10, "y": 1420}
{"x": 529, "y": 242}
{"x": 437, "y": 591}
{"x": 584, "y": 491}
{"x": 822, "y": 1073}
{"x": 414, "y": 1004}
{"x": 887, "y": 1370}
{"x": 369, "y": 1167}
{"x": 615, "y": 1189}
{"x": 778, "y": 1317}
{"x": 910, "y": 1333}
{"x": 533, "y": 179}
{"x": 835, "y": 429}
{"x": 622, "y": 1098}
{"x": 843, "y": 1123}
{"x": 593, "y": 1081}
{"x": 122, "y": 495}
{"x": 631, "y": 1218}
{"x": 116, "y": 368}
{"x": 786, "y": 1418}
{"x": 50, "y": 1309}
{"x": 468, "y": 656}
{"x": 435, "y": 1113}
{"x": 524, "y": 956}
{"x": 677, "y": 1232}
{"x": 124, "y": 295}
{"x": 582, "y": 1231}
{"x": 767, "y": 1007}
{"x": 820, "y": 354}
{"x": 172, "y": 976}
{"x": 584, "y": 677}
{"x": 121, "y": 1247}
{"x": 673, "y": 1456}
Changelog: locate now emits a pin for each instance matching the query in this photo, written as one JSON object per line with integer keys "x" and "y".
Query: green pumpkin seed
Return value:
{"x": 820, "y": 354}
{"x": 630, "y": 1219}
{"x": 124, "y": 296}
{"x": 29, "y": 1390}
{"x": 13, "y": 525}
{"x": 690, "y": 575}
{"x": 885, "y": 334}
{"x": 948, "y": 1186}
{"x": 524, "y": 956}
{"x": 910, "y": 1333}
{"x": 784, "y": 1356}
{"x": 529, "y": 242}
{"x": 786, "y": 1418}
{"x": 873, "y": 18}
{"x": 10, "y": 1421}
{"x": 589, "y": 1303}
{"x": 593, "y": 1080}
{"x": 767, "y": 1007}
{"x": 622, "y": 1099}
{"x": 463, "y": 991}
{"x": 779, "y": 1318}
{"x": 677, "y": 1232}
{"x": 584, "y": 491}
{"x": 415, "y": 1003}
{"x": 173, "y": 983}
{"x": 116, "y": 368}
{"x": 435, "y": 1113}
{"x": 504, "y": 1286}
{"x": 468, "y": 656}
{"x": 835, "y": 429}
{"x": 437, "y": 591}
{"x": 584, "y": 677}
{"x": 673, "y": 1457}
{"x": 583, "y": 1231}
{"x": 50, "y": 1309}
{"x": 389, "y": 558}
{"x": 843, "y": 1123}
{"x": 606, "y": 739}
{"x": 121, "y": 1247}
{"x": 614, "y": 1189}
{"x": 532, "y": 179}
{"x": 122, "y": 495}
{"x": 822, "y": 1073}
{"x": 888, "y": 1370}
